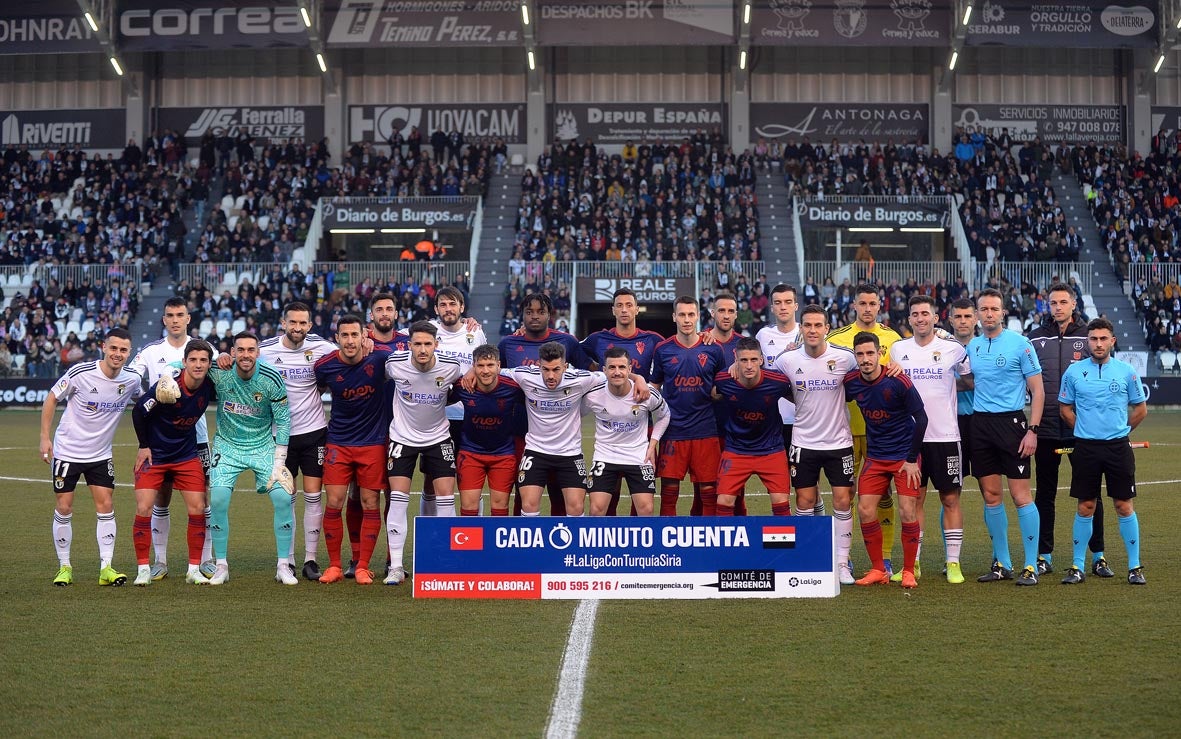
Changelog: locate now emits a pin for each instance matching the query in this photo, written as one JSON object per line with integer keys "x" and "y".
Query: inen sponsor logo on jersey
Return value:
{"x": 609, "y": 537}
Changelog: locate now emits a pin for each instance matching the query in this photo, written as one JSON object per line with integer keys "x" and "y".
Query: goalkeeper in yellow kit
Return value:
{"x": 868, "y": 304}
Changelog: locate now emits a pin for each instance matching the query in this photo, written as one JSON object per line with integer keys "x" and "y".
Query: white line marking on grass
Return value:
{"x": 566, "y": 711}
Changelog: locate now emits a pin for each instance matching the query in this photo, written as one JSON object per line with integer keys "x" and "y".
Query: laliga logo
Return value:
{"x": 560, "y": 537}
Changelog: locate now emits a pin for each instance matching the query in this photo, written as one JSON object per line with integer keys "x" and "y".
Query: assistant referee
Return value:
{"x": 1103, "y": 400}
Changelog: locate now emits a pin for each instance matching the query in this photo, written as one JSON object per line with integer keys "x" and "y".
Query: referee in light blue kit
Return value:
{"x": 1005, "y": 366}
{"x": 1103, "y": 399}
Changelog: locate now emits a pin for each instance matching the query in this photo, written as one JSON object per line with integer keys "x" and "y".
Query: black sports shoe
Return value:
{"x": 996, "y": 574}
{"x": 1099, "y": 568}
{"x": 311, "y": 570}
{"x": 1074, "y": 576}
{"x": 1028, "y": 576}
{"x": 1044, "y": 566}
{"x": 1136, "y": 576}
{"x": 351, "y": 571}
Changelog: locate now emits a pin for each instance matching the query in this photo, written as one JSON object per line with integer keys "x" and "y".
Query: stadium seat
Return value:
{"x": 1168, "y": 361}
{"x": 229, "y": 279}
{"x": 61, "y": 327}
{"x": 517, "y": 160}
{"x": 18, "y": 363}
{"x": 227, "y": 203}
{"x": 13, "y": 282}
{"x": 206, "y": 327}
{"x": 263, "y": 222}
{"x": 239, "y": 202}
{"x": 297, "y": 255}
{"x": 76, "y": 315}
{"x": 72, "y": 327}
{"x": 238, "y": 325}
{"x": 1014, "y": 324}
{"x": 245, "y": 277}
{"x": 87, "y": 326}
{"x": 222, "y": 327}
{"x": 231, "y": 222}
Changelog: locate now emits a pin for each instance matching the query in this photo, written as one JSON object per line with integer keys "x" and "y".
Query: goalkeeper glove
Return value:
{"x": 280, "y": 475}
{"x": 167, "y": 389}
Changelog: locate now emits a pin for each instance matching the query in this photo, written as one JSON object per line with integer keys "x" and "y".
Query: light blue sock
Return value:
{"x": 1048, "y": 557}
{"x": 284, "y": 521}
{"x": 1029, "y": 522}
{"x": 1129, "y": 530}
{"x": 997, "y": 521}
{"x": 219, "y": 519}
{"x": 1097, "y": 556}
{"x": 1083, "y": 526}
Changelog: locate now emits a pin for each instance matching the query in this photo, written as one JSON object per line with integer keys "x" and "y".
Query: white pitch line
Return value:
{"x": 566, "y": 711}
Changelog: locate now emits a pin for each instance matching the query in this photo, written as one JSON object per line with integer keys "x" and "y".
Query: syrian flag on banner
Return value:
{"x": 779, "y": 537}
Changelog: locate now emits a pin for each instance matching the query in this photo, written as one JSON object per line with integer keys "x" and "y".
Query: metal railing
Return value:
{"x": 1039, "y": 274}
{"x": 1153, "y": 273}
{"x": 227, "y": 275}
{"x": 96, "y": 274}
{"x": 437, "y": 273}
{"x": 472, "y": 200}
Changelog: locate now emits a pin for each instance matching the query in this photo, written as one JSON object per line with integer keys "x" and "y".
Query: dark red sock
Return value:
{"x": 141, "y": 537}
{"x": 334, "y": 534}
{"x": 697, "y": 507}
{"x": 709, "y": 499}
{"x": 370, "y": 527}
{"x": 353, "y": 516}
{"x": 499, "y": 511}
{"x": 781, "y": 509}
{"x": 740, "y": 505}
{"x": 670, "y": 491}
{"x": 195, "y": 535}
{"x": 724, "y": 511}
{"x": 910, "y": 544}
{"x": 872, "y": 533}
{"x": 469, "y": 511}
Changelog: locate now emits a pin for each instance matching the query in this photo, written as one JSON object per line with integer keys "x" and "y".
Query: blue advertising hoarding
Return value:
{"x": 624, "y": 558}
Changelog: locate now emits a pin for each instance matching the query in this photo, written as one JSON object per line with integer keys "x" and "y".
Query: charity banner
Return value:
{"x": 635, "y": 22}
{"x": 624, "y": 558}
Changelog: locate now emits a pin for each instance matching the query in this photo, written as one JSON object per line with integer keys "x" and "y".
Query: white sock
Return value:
{"x": 161, "y": 525}
{"x": 395, "y": 526}
{"x": 955, "y": 540}
{"x": 207, "y": 549}
{"x": 919, "y": 552}
{"x": 818, "y": 510}
{"x": 313, "y": 519}
{"x": 63, "y": 536}
{"x": 105, "y": 531}
{"x": 445, "y": 506}
{"x": 534, "y": 514}
{"x": 427, "y": 504}
{"x": 291, "y": 550}
{"x": 805, "y": 512}
{"x": 223, "y": 562}
{"x": 843, "y": 522}
{"x": 194, "y": 568}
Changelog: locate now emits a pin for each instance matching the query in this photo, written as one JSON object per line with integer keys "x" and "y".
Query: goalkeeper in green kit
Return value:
{"x": 251, "y": 400}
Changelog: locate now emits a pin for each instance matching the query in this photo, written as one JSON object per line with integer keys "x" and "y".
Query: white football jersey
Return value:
{"x": 818, "y": 385}
{"x": 298, "y": 368}
{"x": 555, "y": 416}
{"x": 153, "y": 359}
{"x": 933, "y": 370}
{"x": 621, "y": 424}
{"x": 458, "y": 345}
{"x": 95, "y": 403}
{"x": 775, "y": 343}
{"x": 420, "y": 400}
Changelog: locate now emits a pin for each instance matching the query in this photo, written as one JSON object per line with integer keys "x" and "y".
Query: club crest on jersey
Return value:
{"x": 936, "y": 356}
{"x": 369, "y": 370}
{"x": 440, "y": 380}
{"x": 501, "y": 403}
{"x": 636, "y": 409}
{"x": 832, "y": 364}
{"x": 308, "y": 355}
{"x": 471, "y": 338}
{"x": 258, "y": 397}
{"x": 121, "y": 388}
{"x": 702, "y": 358}
{"x": 640, "y": 348}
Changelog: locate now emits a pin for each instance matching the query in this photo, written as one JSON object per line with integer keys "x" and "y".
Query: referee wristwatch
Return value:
{"x": 1033, "y": 428}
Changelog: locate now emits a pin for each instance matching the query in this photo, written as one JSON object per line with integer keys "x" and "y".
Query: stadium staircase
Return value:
{"x": 1109, "y": 298}
{"x": 777, "y": 237}
{"x": 490, "y": 273}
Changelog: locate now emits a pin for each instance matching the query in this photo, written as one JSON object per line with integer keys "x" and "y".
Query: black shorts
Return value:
{"x": 605, "y": 477}
{"x": 536, "y": 467}
{"x": 100, "y": 474}
{"x": 940, "y": 465}
{"x": 806, "y": 465}
{"x": 996, "y": 438}
{"x": 453, "y": 429}
{"x": 205, "y": 454}
{"x": 1093, "y": 460}
{"x": 438, "y": 460}
{"x": 965, "y": 422}
{"x": 305, "y": 452}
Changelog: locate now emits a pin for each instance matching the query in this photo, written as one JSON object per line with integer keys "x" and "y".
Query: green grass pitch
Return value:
{"x": 253, "y": 658}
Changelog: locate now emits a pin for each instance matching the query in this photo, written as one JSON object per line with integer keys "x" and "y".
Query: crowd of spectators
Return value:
{"x": 78, "y": 222}
{"x": 1135, "y": 201}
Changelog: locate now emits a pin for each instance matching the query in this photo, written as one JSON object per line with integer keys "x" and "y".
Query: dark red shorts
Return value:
{"x": 500, "y": 470}
{"x": 876, "y": 475}
{"x": 698, "y": 458}
{"x": 187, "y": 475}
{"x": 735, "y": 469}
{"x": 365, "y": 464}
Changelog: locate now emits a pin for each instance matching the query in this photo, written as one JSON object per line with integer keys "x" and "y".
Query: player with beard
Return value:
{"x": 725, "y": 315}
